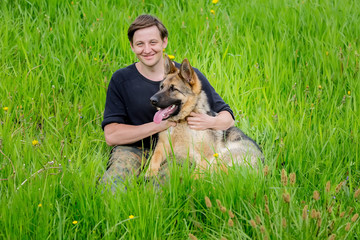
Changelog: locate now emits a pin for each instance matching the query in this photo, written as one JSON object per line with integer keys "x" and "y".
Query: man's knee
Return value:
{"x": 125, "y": 160}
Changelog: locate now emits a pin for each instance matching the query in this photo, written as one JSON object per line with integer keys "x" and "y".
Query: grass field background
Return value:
{"x": 289, "y": 70}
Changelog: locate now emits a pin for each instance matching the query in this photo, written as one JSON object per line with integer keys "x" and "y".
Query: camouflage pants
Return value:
{"x": 126, "y": 164}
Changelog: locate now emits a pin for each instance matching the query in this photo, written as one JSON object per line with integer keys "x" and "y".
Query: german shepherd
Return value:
{"x": 180, "y": 94}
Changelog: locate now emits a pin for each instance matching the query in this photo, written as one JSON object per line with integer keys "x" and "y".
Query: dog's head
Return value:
{"x": 178, "y": 92}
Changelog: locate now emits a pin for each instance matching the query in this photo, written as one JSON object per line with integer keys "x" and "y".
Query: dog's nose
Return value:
{"x": 153, "y": 100}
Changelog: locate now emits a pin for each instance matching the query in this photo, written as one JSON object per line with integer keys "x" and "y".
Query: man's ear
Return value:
{"x": 169, "y": 66}
{"x": 165, "y": 42}
{"x": 187, "y": 72}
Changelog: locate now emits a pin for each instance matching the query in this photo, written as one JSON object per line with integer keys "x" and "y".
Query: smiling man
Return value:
{"x": 128, "y": 117}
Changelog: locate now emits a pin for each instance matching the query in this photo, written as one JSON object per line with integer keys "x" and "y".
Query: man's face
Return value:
{"x": 148, "y": 45}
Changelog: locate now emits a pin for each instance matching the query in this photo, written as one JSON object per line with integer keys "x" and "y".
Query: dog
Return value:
{"x": 180, "y": 94}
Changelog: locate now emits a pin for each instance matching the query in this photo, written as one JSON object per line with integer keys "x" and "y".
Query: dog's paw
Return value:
{"x": 197, "y": 174}
{"x": 152, "y": 171}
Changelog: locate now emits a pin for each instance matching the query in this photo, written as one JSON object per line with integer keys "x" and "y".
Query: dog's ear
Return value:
{"x": 169, "y": 66}
{"x": 187, "y": 72}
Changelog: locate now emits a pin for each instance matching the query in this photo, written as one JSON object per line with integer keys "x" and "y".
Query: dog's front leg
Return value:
{"x": 158, "y": 157}
{"x": 201, "y": 166}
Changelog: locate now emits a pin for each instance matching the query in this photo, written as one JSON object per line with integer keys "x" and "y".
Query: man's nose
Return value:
{"x": 147, "y": 48}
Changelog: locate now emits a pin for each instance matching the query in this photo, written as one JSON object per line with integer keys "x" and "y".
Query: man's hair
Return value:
{"x": 145, "y": 21}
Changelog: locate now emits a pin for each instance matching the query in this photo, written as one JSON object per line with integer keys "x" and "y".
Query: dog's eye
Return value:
{"x": 161, "y": 87}
{"x": 172, "y": 88}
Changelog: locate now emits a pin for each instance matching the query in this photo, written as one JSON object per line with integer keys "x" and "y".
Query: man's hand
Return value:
{"x": 199, "y": 121}
{"x": 163, "y": 125}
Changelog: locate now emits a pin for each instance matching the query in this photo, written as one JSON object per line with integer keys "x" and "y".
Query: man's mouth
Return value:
{"x": 149, "y": 56}
{"x": 165, "y": 113}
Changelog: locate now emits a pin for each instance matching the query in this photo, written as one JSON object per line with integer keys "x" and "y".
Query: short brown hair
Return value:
{"x": 145, "y": 21}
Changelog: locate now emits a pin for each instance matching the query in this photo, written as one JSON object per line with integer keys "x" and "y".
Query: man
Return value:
{"x": 128, "y": 118}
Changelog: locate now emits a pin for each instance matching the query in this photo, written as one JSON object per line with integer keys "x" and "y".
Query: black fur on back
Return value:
{"x": 234, "y": 134}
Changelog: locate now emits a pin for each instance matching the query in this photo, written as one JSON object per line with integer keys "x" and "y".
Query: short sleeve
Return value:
{"x": 115, "y": 110}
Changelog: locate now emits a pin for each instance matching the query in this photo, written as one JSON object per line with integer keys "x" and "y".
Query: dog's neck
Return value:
{"x": 201, "y": 106}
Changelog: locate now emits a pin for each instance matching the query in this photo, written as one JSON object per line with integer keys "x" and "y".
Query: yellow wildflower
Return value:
{"x": 172, "y": 57}
{"x": 5, "y": 108}
{"x": 35, "y": 142}
{"x": 95, "y": 59}
{"x": 215, "y": 1}
{"x": 212, "y": 11}
{"x": 40, "y": 205}
{"x": 349, "y": 92}
{"x": 131, "y": 216}
{"x": 74, "y": 222}
{"x": 216, "y": 155}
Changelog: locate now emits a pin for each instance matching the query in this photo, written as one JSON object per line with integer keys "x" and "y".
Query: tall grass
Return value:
{"x": 288, "y": 69}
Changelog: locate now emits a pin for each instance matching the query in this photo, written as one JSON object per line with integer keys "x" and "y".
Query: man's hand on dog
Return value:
{"x": 199, "y": 121}
{"x": 163, "y": 125}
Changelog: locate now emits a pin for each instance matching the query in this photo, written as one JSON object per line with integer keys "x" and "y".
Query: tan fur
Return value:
{"x": 198, "y": 146}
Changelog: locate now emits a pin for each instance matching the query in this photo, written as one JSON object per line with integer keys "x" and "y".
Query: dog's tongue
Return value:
{"x": 159, "y": 115}
{"x": 163, "y": 113}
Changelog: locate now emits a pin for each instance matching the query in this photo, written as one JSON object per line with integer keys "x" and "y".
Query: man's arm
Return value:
{"x": 222, "y": 121}
{"x": 120, "y": 134}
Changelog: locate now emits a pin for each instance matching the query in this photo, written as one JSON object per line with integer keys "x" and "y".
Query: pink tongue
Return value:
{"x": 158, "y": 117}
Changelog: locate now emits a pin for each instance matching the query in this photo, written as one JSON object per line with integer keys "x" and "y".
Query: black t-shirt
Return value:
{"x": 128, "y": 99}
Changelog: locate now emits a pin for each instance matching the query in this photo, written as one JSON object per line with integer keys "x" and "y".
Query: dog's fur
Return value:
{"x": 181, "y": 90}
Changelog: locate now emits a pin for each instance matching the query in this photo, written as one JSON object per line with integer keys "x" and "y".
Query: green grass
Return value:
{"x": 289, "y": 70}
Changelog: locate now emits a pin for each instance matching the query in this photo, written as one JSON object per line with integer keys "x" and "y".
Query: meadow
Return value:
{"x": 288, "y": 68}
